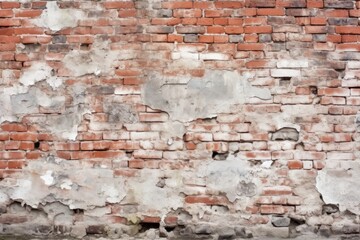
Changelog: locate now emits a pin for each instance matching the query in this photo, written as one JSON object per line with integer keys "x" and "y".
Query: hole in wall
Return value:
{"x": 170, "y": 229}
{"x": 85, "y": 46}
{"x": 129, "y": 154}
{"x": 37, "y": 145}
{"x": 284, "y": 81}
{"x": 149, "y": 225}
{"x": 219, "y": 156}
{"x": 299, "y": 146}
{"x": 314, "y": 90}
{"x": 78, "y": 211}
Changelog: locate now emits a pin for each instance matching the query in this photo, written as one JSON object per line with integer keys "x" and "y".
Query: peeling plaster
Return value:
{"x": 78, "y": 187}
{"x": 37, "y": 72}
{"x": 42, "y": 182}
{"x": 203, "y": 97}
{"x": 145, "y": 192}
{"x": 56, "y": 18}
{"x": 48, "y": 178}
{"x": 26, "y": 98}
{"x": 340, "y": 186}
{"x": 100, "y": 60}
{"x": 234, "y": 177}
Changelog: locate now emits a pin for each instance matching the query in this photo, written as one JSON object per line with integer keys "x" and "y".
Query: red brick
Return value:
{"x": 315, "y": 3}
{"x": 28, "y": 13}
{"x": 337, "y": 13}
{"x": 119, "y": 5}
{"x": 272, "y": 209}
{"x": 316, "y": 29}
{"x": 221, "y": 38}
{"x": 318, "y": 21}
{"x": 229, "y": 4}
{"x": 10, "y": 5}
{"x": 150, "y": 219}
{"x": 334, "y": 91}
{"x": 8, "y": 13}
{"x": 8, "y": 22}
{"x": 127, "y": 73}
{"x": 203, "y": 5}
{"x": 354, "y": 13}
{"x": 215, "y": 29}
{"x": 259, "y": 64}
{"x": 14, "y": 127}
{"x": 234, "y": 30}
{"x": 251, "y": 38}
{"x": 16, "y": 164}
{"x": 255, "y": 21}
{"x": 70, "y": 146}
{"x": 187, "y": 13}
{"x": 205, "y": 21}
{"x": 258, "y": 29}
{"x": 291, "y": 3}
{"x": 22, "y": 136}
{"x": 294, "y": 164}
{"x": 270, "y": 11}
{"x": 218, "y": 13}
{"x": 127, "y": 13}
{"x": 171, "y": 220}
{"x": 26, "y": 145}
{"x": 260, "y": 3}
{"x": 206, "y": 38}
{"x": 333, "y": 38}
{"x": 12, "y": 155}
{"x": 251, "y": 47}
{"x": 348, "y": 47}
{"x": 12, "y": 145}
{"x": 221, "y": 21}
{"x": 136, "y": 164}
{"x": 175, "y": 5}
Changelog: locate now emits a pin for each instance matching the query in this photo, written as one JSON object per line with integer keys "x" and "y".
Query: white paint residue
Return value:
{"x": 266, "y": 164}
{"x": 48, "y": 178}
{"x": 54, "y": 82}
{"x": 66, "y": 184}
{"x": 112, "y": 194}
{"x": 56, "y": 18}
{"x": 340, "y": 187}
{"x": 38, "y": 71}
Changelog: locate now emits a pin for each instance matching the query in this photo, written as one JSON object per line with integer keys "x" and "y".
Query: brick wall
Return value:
{"x": 219, "y": 119}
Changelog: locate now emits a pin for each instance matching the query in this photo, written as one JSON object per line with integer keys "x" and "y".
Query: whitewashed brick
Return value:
{"x": 215, "y": 56}
{"x": 285, "y": 73}
{"x": 290, "y": 63}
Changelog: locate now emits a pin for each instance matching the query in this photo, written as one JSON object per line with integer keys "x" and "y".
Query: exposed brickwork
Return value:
{"x": 104, "y": 85}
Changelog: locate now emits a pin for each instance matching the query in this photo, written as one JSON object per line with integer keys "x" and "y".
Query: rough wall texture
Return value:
{"x": 214, "y": 119}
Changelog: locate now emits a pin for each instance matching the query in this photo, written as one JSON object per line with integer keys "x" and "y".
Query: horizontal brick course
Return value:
{"x": 179, "y": 108}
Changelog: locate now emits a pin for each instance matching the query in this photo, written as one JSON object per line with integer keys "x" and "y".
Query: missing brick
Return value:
{"x": 219, "y": 156}
{"x": 284, "y": 81}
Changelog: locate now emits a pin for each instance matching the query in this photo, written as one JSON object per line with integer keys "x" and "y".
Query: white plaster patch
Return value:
{"x": 145, "y": 192}
{"x": 66, "y": 184}
{"x": 232, "y": 176}
{"x": 99, "y": 60}
{"x": 111, "y": 193}
{"x": 54, "y": 82}
{"x": 38, "y": 71}
{"x": 56, "y": 18}
{"x": 340, "y": 186}
{"x": 216, "y": 92}
{"x": 266, "y": 164}
{"x": 86, "y": 188}
{"x": 48, "y": 178}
